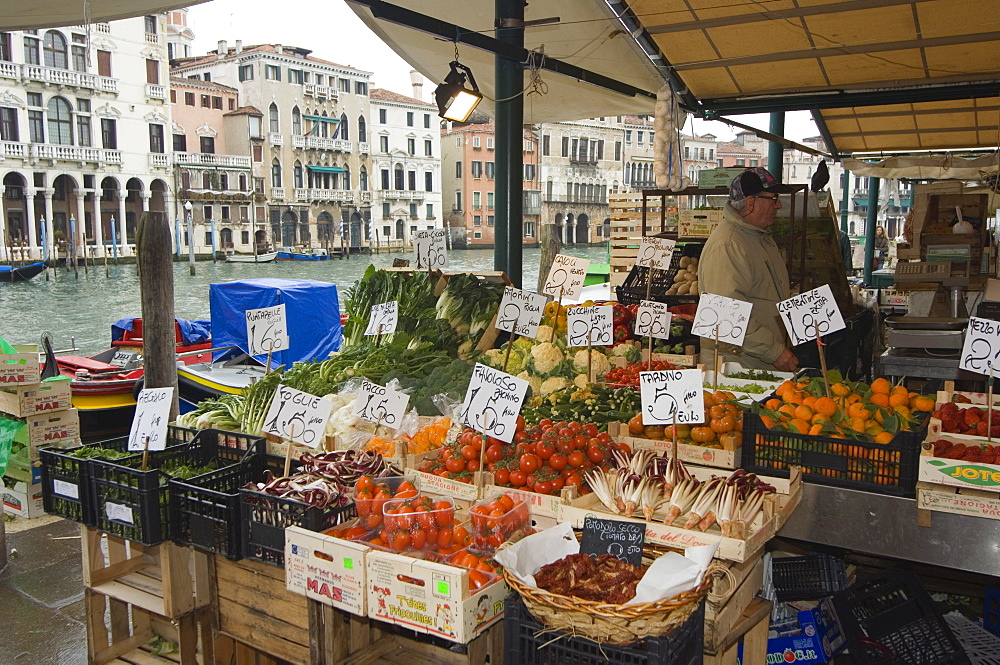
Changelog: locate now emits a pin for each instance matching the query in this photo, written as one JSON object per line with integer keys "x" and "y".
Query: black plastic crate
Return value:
{"x": 64, "y": 475}
{"x": 988, "y": 310}
{"x": 205, "y": 510}
{"x": 633, "y": 290}
{"x": 264, "y": 518}
{"x": 809, "y": 577}
{"x": 890, "y": 619}
{"x": 135, "y": 505}
{"x": 528, "y": 642}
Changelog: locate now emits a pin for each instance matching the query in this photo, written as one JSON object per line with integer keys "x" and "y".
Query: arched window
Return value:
{"x": 56, "y": 54}
{"x": 296, "y": 122}
{"x": 276, "y": 173}
{"x": 272, "y": 116}
{"x": 362, "y": 130}
{"x": 363, "y": 179}
{"x": 324, "y": 128}
{"x": 347, "y": 177}
{"x": 400, "y": 178}
{"x": 345, "y": 130}
{"x": 60, "y": 121}
{"x": 297, "y": 174}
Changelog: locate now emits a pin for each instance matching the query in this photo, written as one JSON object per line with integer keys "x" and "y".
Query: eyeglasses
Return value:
{"x": 769, "y": 198}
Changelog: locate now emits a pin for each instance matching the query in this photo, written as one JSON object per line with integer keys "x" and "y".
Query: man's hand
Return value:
{"x": 787, "y": 362}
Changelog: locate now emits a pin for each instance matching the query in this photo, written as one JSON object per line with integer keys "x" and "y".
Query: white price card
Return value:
{"x": 493, "y": 402}
{"x": 729, "y": 315}
{"x": 297, "y": 416}
{"x": 655, "y": 252}
{"x": 982, "y": 347}
{"x": 653, "y": 320}
{"x": 810, "y": 315}
{"x": 594, "y": 325}
{"x": 520, "y": 312}
{"x": 381, "y": 405}
{"x": 383, "y": 317}
{"x": 267, "y": 330}
{"x": 566, "y": 277}
{"x": 430, "y": 249}
{"x": 149, "y": 424}
{"x": 673, "y": 395}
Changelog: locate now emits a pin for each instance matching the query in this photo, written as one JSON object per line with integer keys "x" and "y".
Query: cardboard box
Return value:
{"x": 958, "y": 501}
{"x": 21, "y": 368}
{"x": 22, "y": 499}
{"x": 817, "y": 639}
{"x": 37, "y": 398}
{"x": 431, "y": 598}
{"x": 327, "y": 569}
{"x": 689, "y": 453}
{"x": 698, "y": 223}
{"x": 53, "y": 428}
{"x": 720, "y": 177}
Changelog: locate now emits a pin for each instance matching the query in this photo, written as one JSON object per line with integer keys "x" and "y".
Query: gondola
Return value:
{"x": 21, "y": 273}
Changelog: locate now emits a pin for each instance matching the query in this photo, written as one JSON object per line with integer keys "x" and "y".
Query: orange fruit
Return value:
{"x": 880, "y": 399}
{"x": 772, "y": 404}
{"x": 899, "y": 399}
{"x": 809, "y": 401}
{"x": 818, "y": 418}
{"x": 901, "y": 390}
{"x": 840, "y": 389}
{"x": 799, "y": 425}
{"x": 904, "y": 411}
{"x": 825, "y": 406}
{"x": 922, "y": 403}
{"x": 852, "y": 398}
{"x": 768, "y": 421}
{"x": 881, "y": 386}
{"x": 883, "y": 437}
{"x": 816, "y": 428}
{"x": 784, "y": 388}
{"x": 857, "y": 424}
{"x": 788, "y": 410}
{"x": 803, "y": 412}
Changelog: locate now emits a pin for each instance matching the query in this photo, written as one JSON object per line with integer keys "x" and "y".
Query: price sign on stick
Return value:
{"x": 382, "y": 319}
{"x": 430, "y": 249}
{"x": 728, "y": 314}
{"x": 981, "y": 349}
{"x": 380, "y": 405}
{"x": 655, "y": 253}
{"x": 653, "y": 320}
{"x": 267, "y": 330}
{"x": 493, "y": 402}
{"x": 520, "y": 312}
{"x": 621, "y": 539}
{"x": 810, "y": 315}
{"x": 566, "y": 277}
{"x": 593, "y": 325}
{"x": 670, "y": 396}
{"x": 297, "y": 416}
{"x": 149, "y": 424}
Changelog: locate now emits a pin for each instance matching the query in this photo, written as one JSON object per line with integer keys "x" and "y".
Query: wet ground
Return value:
{"x": 41, "y": 594}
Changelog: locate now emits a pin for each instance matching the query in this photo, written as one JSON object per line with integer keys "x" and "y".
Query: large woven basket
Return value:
{"x": 606, "y": 622}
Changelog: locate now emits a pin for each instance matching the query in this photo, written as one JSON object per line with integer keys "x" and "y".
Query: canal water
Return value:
{"x": 82, "y": 310}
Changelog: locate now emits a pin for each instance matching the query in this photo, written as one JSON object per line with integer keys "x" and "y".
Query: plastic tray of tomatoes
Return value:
{"x": 418, "y": 523}
{"x": 482, "y": 570}
{"x": 498, "y": 519}
{"x": 628, "y": 376}
{"x": 371, "y": 494}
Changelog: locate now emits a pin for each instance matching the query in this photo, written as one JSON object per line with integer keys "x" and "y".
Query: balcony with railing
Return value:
{"x": 208, "y": 159}
{"x": 152, "y": 38}
{"x": 67, "y": 153}
{"x": 327, "y": 195}
{"x": 583, "y": 160}
{"x": 13, "y": 150}
{"x": 159, "y": 160}
{"x": 154, "y": 91}
{"x": 278, "y": 193}
{"x": 364, "y": 148}
{"x": 274, "y": 138}
{"x": 61, "y": 77}
{"x": 319, "y": 91}
{"x": 111, "y": 156}
{"x": 366, "y": 197}
{"x": 321, "y": 143}
{"x": 10, "y": 70}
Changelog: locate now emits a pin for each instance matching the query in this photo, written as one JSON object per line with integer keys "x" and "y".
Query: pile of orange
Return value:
{"x": 722, "y": 427}
{"x": 859, "y": 411}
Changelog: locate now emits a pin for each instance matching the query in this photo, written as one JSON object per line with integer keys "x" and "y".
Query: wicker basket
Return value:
{"x": 605, "y": 622}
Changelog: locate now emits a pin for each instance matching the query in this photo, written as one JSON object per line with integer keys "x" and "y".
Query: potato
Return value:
{"x": 694, "y": 288}
{"x": 685, "y": 262}
{"x": 672, "y": 291}
{"x": 680, "y": 277}
{"x": 683, "y": 289}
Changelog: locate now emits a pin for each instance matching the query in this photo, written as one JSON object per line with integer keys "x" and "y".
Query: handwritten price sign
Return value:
{"x": 520, "y": 312}
{"x": 493, "y": 402}
{"x": 380, "y": 405}
{"x": 297, "y": 416}
{"x": 671, "y": 395}
{"x": 810, "y": 315}
{"x": 566, "y": 277}
{"x": 382, "y": 319}
{"x": 655, "y": 253}
{"x": 149, "y": 424}
{"x": 653, "y": 320}
{"x": 594, "y": 325}
{"x": 982, "y": 347}
{"x": 267, "y": 330}
{"x": 730, "y": 315}
{"x": 430, "y": 249}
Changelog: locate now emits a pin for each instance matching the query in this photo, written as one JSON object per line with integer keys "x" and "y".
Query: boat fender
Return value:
{"x": 140, "y": 383}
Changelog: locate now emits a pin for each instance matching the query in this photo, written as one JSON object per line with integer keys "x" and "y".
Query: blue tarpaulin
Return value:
{"x": 312, "y": 313}
{"x": 192, "y": 332}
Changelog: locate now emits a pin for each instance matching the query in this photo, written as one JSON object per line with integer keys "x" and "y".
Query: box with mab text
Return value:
{"x": 431, "y": 598}
{"x": 20, "y": 368}
{"x": 53, "y": 428}
{"x": 327, "y": 569}
{"x": 35, "y": 399}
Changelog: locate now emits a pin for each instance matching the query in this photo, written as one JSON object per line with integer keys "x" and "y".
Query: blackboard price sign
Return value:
{"x": 621, "y": 539}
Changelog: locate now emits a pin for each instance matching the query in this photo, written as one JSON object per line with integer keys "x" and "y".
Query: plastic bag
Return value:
{"x": 8, "y": 429}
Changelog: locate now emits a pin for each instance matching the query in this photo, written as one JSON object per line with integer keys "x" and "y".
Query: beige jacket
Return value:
{"x": 741, "y": 261}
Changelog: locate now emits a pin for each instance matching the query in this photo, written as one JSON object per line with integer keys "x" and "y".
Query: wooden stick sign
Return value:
{"x": 430, "y": 249}
{"x": 722, "y": 318}
{"x": 383, "y": 318}
{"x": 652, "y": 319}
{"x": 520, "y": 313}
{"x": 380, "y": 405}
{"x": 655, "y": 253}
{"x": 297, "y": 417}
{"x": 149, "y": 424}
{"x": 810, "y": 315}
{"x": 670, "y": 397}
{"x": 565, "y": 278}
{"x": 981, "y": 350}
{"x": 267, "y": 331}
{"x": 493, "y": 402}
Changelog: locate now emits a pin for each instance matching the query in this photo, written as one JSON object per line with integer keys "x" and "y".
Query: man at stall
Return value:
{"x": 741, "y": 261}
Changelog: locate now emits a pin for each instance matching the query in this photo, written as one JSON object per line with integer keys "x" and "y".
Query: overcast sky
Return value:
{"x": 334, "y": 32}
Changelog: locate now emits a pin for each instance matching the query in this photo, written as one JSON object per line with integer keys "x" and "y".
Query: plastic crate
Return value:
{"x": 528, "y": 642}
{"x": 981, "y": 646}
{"x": 809, "y": 577}
{"x": 633, "y": 290}
{"x": 205, "y": 510}
{"x": 64, "y": 475}
{"x": 890, "y": 468}
{"x": 135, "y": 505}
{"x": 890, "y": 619}
{"x": 264, "y": 517}
{"x": 991, "y": 610}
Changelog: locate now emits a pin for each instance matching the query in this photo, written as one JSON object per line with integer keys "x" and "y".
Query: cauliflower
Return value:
{"x": 546, "y": 357}
{"x": 534, "y": 382}
{"x": 580, "y": 381}
{"x": 599, "y": 362}
{"x": 493, "y": 358}
{"x": 552, "y": 384}
{"x": 544, "y": 334}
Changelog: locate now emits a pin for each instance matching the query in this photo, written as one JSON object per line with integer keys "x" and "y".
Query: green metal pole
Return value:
{"x": 776, "y": 151}
{"x": 870, "y": 229}
{"x": 846, "y": 201}
{"x": 507, "y": 231}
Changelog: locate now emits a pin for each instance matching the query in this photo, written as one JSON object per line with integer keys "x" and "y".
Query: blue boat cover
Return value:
{"x": 312, "y": 311}
{"x": 192, "y": 332}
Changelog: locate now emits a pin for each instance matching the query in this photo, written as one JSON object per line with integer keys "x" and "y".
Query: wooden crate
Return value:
{"x": 168, "y": 580}
{"x": 120, "y": 633}
{"x": 751, "y": 629}
{"x": 720, "y": 618}
{"x": 626, "y": 230}
{"x": 255, "y": 609}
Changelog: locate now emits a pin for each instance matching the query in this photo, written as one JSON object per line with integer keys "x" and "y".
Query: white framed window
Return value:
{"x": 475, "y": 142}
{"x": 489, "y": 143}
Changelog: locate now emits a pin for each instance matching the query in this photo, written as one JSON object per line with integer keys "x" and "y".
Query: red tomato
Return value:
{"x": 595, "y": 454}
{"x": 557, "y": 462}
{"x": 543, "y": 487}
{"x": 544, "y": 424}
{"x": 472, "y": 465}
{"x": 521, "y": 424}
{"x": 529, "y": 463}
{"x": 576, "y": 459}
{"x": 501, "y": 475}
{"x": 455, "y": 464}
{"x": 545, "y": 450}
{"x": 445, "y": 536}
{"x": 418, "y": 538}
{"x": 400, "y": 541}
{"x": 574, "y": 480}
{"x": 518, "y": 478}
{"x": 589, "y": 430}
{"x": 494, "y": 453}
